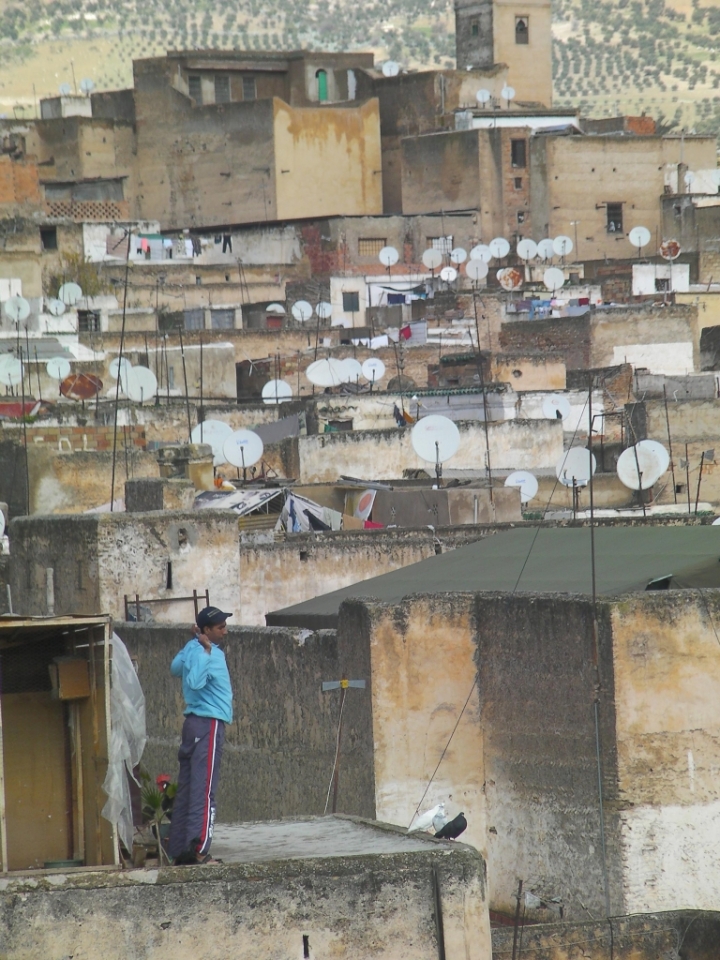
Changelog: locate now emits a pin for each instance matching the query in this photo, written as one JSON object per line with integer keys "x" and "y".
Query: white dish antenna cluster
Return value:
{"x": 87, "y": 86}
{"x": 448, "y": 274}
{"x": 576, "y": 467}
{"x": 65, "y": 89}
{"x": 333, "y": 372}
{"x": 508, "y": 93}
{"x": 641, "y": 466}
{"x": 526, "y": 481}
{"x": 276, "y": 391}
{"x": 483, "y": 96}
{"x": 554, "y": 279}
{"x": 137, "y": 383}
{"x": 302, "y": 311}
{"x": 11, "y": 370}
{"x": 373, "y": 369}
{"x": 670, "y": 250}
{"x": 277, "y": 309}
{"x": 214, "y": 432}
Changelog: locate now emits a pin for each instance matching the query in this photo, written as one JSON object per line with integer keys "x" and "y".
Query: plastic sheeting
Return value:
{"x": 127, "y": 740}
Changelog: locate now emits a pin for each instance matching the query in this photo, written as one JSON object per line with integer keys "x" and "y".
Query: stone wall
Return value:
{"x": 568, "y": 337}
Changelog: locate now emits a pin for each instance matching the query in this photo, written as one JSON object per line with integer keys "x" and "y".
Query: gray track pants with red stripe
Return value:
{"x": 193, "y": 814}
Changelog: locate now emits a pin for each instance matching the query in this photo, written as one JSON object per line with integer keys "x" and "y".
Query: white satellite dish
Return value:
{"x": 562, "y": 245}
{"x": 17, "y": 308}
{"x": 65, "y": 89}
{"x": 326, "y": 373}
{"x": 527, "y": 249}
{"x": 639, "y": 237}
{"x": 70, "y": 293}
{"x": 277, "y": 309}
{"x": 481, "y": 252}
{"x": 483, "y": 95}
{"x": 390, "y": 68}
{"x": 118, "y": 364}
{"x": 352, "y": 370}
{"x": 526, "y": 481}
{"x": 435, "y": 439}
{"x": 214, "y": 432}
{"x": 499, "y": 247}
{"x": 388, "y": 257}
{"x": 448, "y": 274}
{"x": 302, "y": 311}
{"x": 546, "y": 249}
{"x": 477, "y": 270}
{"x": 276, "y": 391}
{"x": 87, "y": 86}
{"x": 58, "y": 368}
{"x": 458, "y": 255}
{"x": 575, "y": 467}
{"x": 432, "y": 258}
{"x": 373, "y": 369}
{"x": 508, "y": 93}
{"x": 324, "y": 310}
{"x": 242, "y": 448}
{"x": 556, "y": 407}
{"x": 653, "y": 460}
{"x": 553, "y": 278}
{"x": 11, "y": 372}
{"x": 139, "y": 384}
{"x": 55, "y": 307}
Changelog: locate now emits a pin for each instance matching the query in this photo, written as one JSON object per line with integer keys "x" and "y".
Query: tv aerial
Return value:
{"x": 507, "y": 93}
{"x": 70, "y": 293}
{"x": 527, "y": 249}
{"x": 562, "y": 246}
{"x": 546, "y": 249}
{"x": 554, "y": 279}
{"x": 324, "y": 310}
{"x": 214, "y": 432}
{"x": 432, "y": 259}
{"x": 326, "y": 373}
{"x": 526, "y": 481}
{"x": 435, "y": 439}
{"x": 639, "y": 237}
{"x": 242, "y": 449}
{"x": 556, "y": 407}
{"x": 481, "y": 252}
{"x": 58, "y": 368}
{"x": 670, "y": 250}
{"x": 499, "y": 247}
{"x": 390, "y": 68}
{"x": 575, "y": 467}
{"x": 55, "y": 307}
{"x": 373, "y": 369}
{"x": 477, "y": 270}
{"x": 17, "y": 308}
{"x": 448, "y": 274}
{"x": 388, "y": 257}
{"x": 65, "y": 89}
{"x": 302, "y": 311}
{"x": 139, "y": 384}
{"x": 482, "y": 96}
{"x": 276, "y": 391}
{"x": 11, "y": 371}
{"x": 642, "y": 465}
{"x": 87, "y": 86}
{"x": 458, "y": 255}
{"x": 510, "y": 278}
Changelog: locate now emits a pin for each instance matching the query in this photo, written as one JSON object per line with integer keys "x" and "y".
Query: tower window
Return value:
{"x": 521, "y": 216}
{"x": 195, "y": 89}
{"x": 518, "y": 183}
{"x": 474, "y": 28}
{"x": 249, "y": 88}
{"x": 518, "y": 153}
{"x": 222, "y": 88}
{"x": 614, "y": 218}
{"x": 522, "y": 29}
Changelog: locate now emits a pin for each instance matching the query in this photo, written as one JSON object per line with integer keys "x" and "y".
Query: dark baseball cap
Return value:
{"x": 211, "y": 617}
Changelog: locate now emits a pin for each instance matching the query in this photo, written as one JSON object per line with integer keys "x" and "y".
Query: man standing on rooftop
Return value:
{"x": 208, "y": 698}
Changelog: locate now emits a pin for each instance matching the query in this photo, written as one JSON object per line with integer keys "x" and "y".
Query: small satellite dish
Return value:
{"x": 458, "y": 255}
{"x": 70, "y": 293}
{"x": 670, "y": 250}
{"x": 477, "y": 270}
{"x": 481, "y": 252}
{"x": 17, "y": 308}
{"x": 81, "y": 386}
{"x": 390, "y": 68}
{"x": 87, "y": 86}
{"x": 526, "y": 481}
{"x": 546, "y": 249}
{"x": 388, "y": 257}
{"x": 243, "y": 448}
{"x": 507, "y": 93}
{"x": 373, "y": 369}
{"x": 139, "y": 384}
{"x": 689, "y": 178}
{"x": 302, "y": 311}
{"x": 435, "y": 439}
{"x": 277, "y": 309}
{"x": 432, "y": 258}
{"x": 55, "y": 307}
{"x": 2, "y": 523}
{"x": 483, "y": 95}
{"x": 65, "y": 89}
{"x": 527, "y": 249}
{"x": 575, "y": 467}
{"x": 118, "y": 364}
{"x": 326, "y": 373}
{"x": 553, "y": 278}
{"x": 324, "y": 310}
{"x": 448, "y": 274}
{"x": 653, "y": 460}
{"x": 58, "y": 368}
{"x": 639, "y": 237}
{"x": 556, "y": 407}
{"x": 562, "y": 245}
{"x": 214, "y": 432}
{"x": 352, "y": 370}
{"x": 11, "y": 372}
{"x": 277, "y": 391}
{"x": 510, "y": 278}
{"x": 499, "y": 247}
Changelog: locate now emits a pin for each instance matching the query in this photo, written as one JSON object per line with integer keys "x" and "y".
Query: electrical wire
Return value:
{"x": 337, "y": 753}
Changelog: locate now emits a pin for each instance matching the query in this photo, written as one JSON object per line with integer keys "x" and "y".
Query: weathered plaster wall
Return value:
{"x": 440, "y": 171}
{"x": 530, "y": 65}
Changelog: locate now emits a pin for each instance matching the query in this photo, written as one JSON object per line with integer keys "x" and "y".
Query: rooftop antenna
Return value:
{"x": 276, "y": 309}
{"x": 58, "y": 368}
{"x": 327, "y": 373}
{"x": 481, "y": 252}
{"x": 70, "y": 293}
{"x": 575, "y": 469}
{"x": 243, "y": 448}
{"x": 373, "y": 369}
{"x": 508, "y": 94}
{"x": 499, "y": 248}
{"x": 388, "y": 257}
{"x": 139, "y": 384}
{"x": 670, "y": 250}
{"x": 435, "y": 439}
{"x": 214, "y": 432}
{"x": 546, "y": 249}
{"x": 477, "y": 270}
{"x": 526, "y": 481}
{"x": 510, "y": 278}
{"x": 554, "y": 279}
{"x": 640, "y": 466}
{"x": 432, "y": 259}
{"x": 55, "y": 307}
{"x": 449, "y": 275}
{"x": 276, "y": 392}
{"x": 556, "y": 407}
{"x": 390, "y": 68}
{"x": 527, "y": 249}
{"x": 482, "y": 97}
{"x": 562, "y": 246}
{"x": 639, "y": 237}
{"x": 458, "y": 255}
{"x": 301, "y": 311}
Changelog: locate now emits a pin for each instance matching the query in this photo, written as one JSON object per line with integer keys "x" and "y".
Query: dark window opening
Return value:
{"x": 518, "y": 183}
{"x": 48, "y": 238}
{"x": 195, "y": 88}
{"x": 168, "y": 576}
{"x": 474, "y": 28}
{"x": 249, "y": 88}
{"x": 303, "y": 556}
{"x": 518, "y": 153}
{"x": 222, "y": 88}
{"x": 351, "y": 302}
{"x": 521, "y": 216}
{"x": 614, "y": 218}
{"x": 322, "y": 84}
{"x": 88, "y": 321}
{"x": 306, "y": 947}
{"x": 662, "y": 285}
{"x": 660, "y": 583}
{"x": 522, "y": 30}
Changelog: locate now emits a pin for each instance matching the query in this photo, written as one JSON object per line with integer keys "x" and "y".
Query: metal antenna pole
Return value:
{"x": 120, "y": 360}
{"x": 672, "y": 464}
{"x": 484, "y": 396}
{"x": 187, "y": 398}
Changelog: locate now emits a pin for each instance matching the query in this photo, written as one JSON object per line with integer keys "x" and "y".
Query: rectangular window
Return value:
{"x": 521, "y": 216}
{"x": 662, "y": 285}
{"x": 195, "y": 89}
{"x": 518, "y": 153}
{"x": 522, "y": 29}
{"x": 614, "y": 218}
{"x": 474, "y": 28}
{"x": 371, "y": 246}
{"x": 88, "y": 321}
{"x": 518, "y": 183}
{"x": 443, "y": 244}
{"x": 222, "y": 88}
{"x": 249, "y": 88}
{"x": 48, "y": 238}
{"x": 351, "y": 302}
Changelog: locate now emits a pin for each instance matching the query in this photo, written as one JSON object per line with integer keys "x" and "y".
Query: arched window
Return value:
{"x": 522, "y": 30}
{"x": 321, "y": 77}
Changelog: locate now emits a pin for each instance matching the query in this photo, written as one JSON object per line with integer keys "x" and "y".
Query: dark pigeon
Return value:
{"x": 453, "y": 828}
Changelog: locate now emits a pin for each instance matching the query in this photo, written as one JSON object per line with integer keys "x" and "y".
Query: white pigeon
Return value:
{"x": 425, "y": 820}
{"x": 440, "y": 819}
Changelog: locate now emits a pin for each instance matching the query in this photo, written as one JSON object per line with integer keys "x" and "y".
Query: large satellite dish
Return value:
{"x": 477, "y": 270}
{"x": 482, "y": 96}
{"x": 324, "y": 310}
{"x": 243, "y": 448}
{"x": 527, "y": 249}
{"x": 546, "y": 249}
{"x": 70, "y": 293}
{"x": 388, "y": 257}
{"x": 575, "y": 467}
{"x": 526, "y": 481}
{"x": 390, "y": 68}
{"x": 17, "y": 308}
{"x": 276, "y": 391}
{"x": 139, "y": 384}
{"x": 562, "y": 245}
{"x": 481, "y": 252}
{"x": 352, "y": 370}
{"x": 11, "y": 372}
{"x": 214, "y": 432}
{"x": 553, "y": 278}
{"x": 499, "y": 247}
{"x": 432, "y": 258}
{"x": 326, "y": 373}
{"x": 639, "y": 237}
{"x": 653, "y": 460}
{"x": 373, "y": 369}
{"x": 556, "y": 407}
{"x": 81, "y": 386}
{"x": 510, "y": 278}
{"x": 302, "y": 311}
{"x": 670, "y": 250}
{"x": 435, "y": 439}
{"x": 58, "y": 368}
{"x": 55, "y": 307}
{"x": 448, "y": 274}
{"x": 458, "y": 255}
